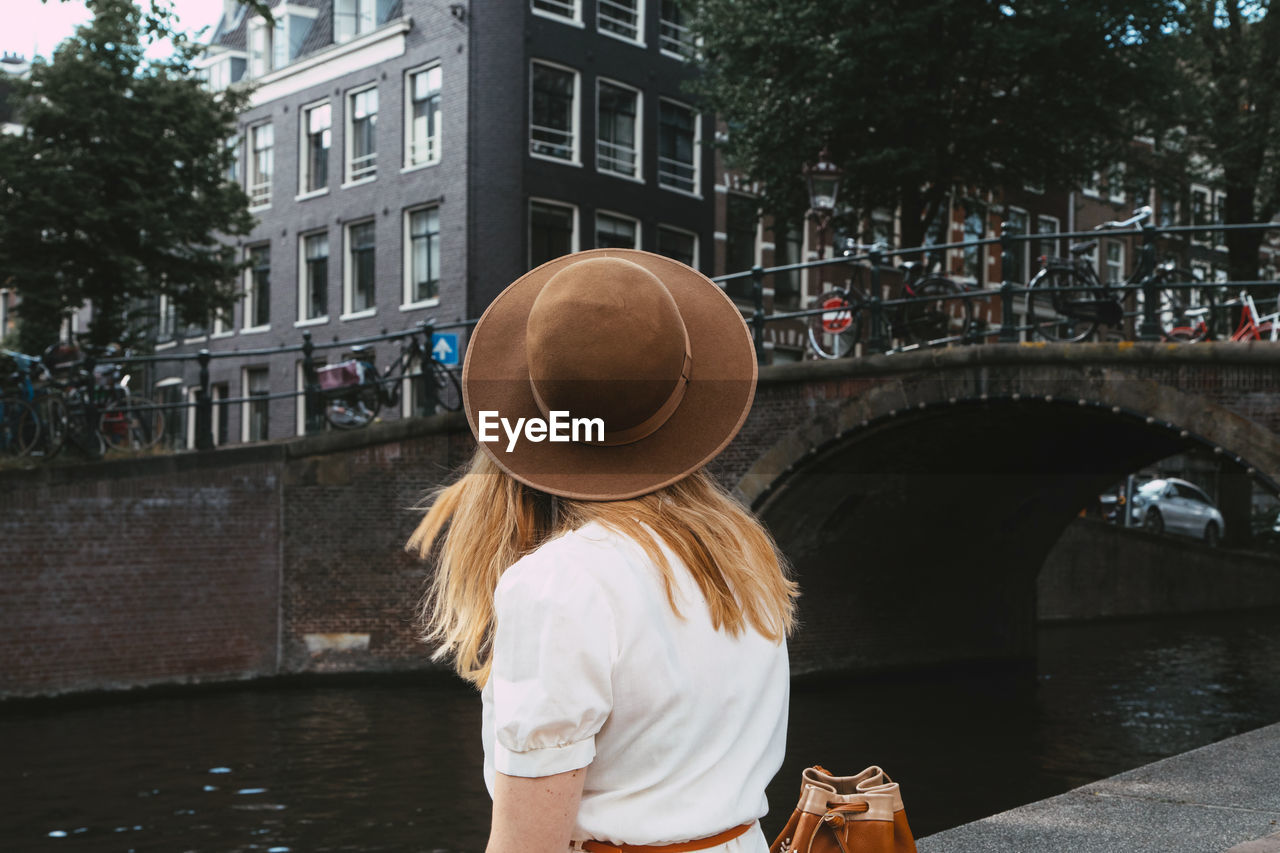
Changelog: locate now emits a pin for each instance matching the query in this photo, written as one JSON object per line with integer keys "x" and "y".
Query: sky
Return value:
{"x": 32, "y": 27}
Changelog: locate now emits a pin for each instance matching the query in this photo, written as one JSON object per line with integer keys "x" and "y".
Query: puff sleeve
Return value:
{"x": 554, "y": 649}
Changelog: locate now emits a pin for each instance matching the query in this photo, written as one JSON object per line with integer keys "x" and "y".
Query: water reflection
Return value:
{"x": 397, "y": 766}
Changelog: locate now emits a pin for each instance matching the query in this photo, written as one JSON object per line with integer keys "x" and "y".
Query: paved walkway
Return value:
{"x": 1221, "y": 797}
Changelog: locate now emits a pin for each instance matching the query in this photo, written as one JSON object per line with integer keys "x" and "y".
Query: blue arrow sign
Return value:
{"x": 444, "y": 347}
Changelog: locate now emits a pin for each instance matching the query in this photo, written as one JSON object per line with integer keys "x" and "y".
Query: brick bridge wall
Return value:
{"x": 287, "y": 557}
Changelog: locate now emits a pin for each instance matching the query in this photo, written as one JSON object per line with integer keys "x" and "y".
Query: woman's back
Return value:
{"x": 682, "y": 724}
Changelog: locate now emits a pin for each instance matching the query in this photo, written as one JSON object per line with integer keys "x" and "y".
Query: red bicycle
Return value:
{"x": 1252, "y": 327}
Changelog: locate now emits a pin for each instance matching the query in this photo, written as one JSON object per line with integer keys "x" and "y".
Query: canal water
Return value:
{"x": 395, "y": 766}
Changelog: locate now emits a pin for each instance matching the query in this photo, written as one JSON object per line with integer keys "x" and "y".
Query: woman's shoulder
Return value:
{"x": 588, "y": 555}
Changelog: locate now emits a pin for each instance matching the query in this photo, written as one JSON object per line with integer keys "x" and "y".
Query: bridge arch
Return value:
{"x": 919, "y": 504}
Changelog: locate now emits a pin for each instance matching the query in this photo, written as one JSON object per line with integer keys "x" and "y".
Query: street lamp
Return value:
{"x": 823, "y": 179}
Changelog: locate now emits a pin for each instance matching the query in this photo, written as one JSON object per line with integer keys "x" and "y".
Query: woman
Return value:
{"x": 624, "y": 616}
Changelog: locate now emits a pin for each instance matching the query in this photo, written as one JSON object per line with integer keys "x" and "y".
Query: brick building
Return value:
{"x": 407, "y": 159}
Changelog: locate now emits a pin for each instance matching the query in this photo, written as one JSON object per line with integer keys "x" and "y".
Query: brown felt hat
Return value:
{"x": 641, "y": 345}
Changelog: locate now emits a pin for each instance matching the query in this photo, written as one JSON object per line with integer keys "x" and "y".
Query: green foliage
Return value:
{"x": 1228, "y": 83}
{"x": 116, "y": 190}
{"x": 914, "y": 100}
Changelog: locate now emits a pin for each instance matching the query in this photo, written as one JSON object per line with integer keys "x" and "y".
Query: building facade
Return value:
{"x": 407, "y": 159}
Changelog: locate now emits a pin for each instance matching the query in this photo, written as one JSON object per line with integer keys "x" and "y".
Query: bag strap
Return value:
{"x": 680, "y": 847}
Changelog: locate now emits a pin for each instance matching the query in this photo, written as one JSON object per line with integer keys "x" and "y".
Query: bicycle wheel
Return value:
{"x": 943, "y": 317}
{"x": 82, "y": 431}
{"x": 835, "y": 332}
{"x": 448, "y": 389}
{"x": 355, "y": 408}
{"x": 1054, "y": 314}
{"x": 19, "y": 427}
{"x": 131, "y": 423}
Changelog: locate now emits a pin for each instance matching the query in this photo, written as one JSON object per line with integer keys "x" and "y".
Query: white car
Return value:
{"x": 1176, "y": 506}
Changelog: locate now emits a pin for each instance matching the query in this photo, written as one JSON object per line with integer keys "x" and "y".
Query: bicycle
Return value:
{"x": 46, "y": 417}
{"x": 1252, "y": 326}
{"x": 354, "y": 392}
{"x": 1066, "y": 301}
{"x": 836, "y": 331}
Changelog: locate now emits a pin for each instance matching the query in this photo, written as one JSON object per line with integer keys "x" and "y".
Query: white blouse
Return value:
{"x": 680, "y": 726}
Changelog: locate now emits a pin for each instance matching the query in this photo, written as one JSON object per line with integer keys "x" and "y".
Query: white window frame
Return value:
{"x": 697, "y": 149}
{"x": 575, "y": 20}
{"x": 193, "y": 392}
{"x": 665, "y": 27}
{"x": 1093, "y": 187}
{"x": 635, "y": 244}
{"x": 245, "y": 406}
{"x": 1108, "y": 265}
{"x": 250, "y": 291}
{"x": 224, "y": 325}
{"x": 255, "y": 26}
{"x": 303, "y": 320}
{"x": 575, "y": 109}
{"x": 697, "y": 247}
{"x": 1042, "y": 235}
{"x": 435, "y": 145}
{"x": 372, "y": 7}
{"x": 1023, "y": 246}
{"x": 1115, "y": 184}
{"x": 638, "y": 176}
{"x": 407, "y": 302}
{"x": 253, "y": 183}
{"x": 638, "y": 41}
{"x": 300, "y": 408}
{"x": 574, "y": 237}
{"x": 348, "y": 164}
{"x": 1219, "y": 205}
{"x": 348, "y": 283}
{"x": 304, "y": 158}
{"x": 1196, "y": 237}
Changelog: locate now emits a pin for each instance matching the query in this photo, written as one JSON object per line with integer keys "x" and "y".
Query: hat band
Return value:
{"x": 646, "y": 427}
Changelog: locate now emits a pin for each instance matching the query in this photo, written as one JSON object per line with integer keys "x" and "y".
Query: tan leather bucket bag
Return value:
{"x": 847, "y": 814}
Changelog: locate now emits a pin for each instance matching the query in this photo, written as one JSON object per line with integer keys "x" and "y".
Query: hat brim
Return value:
{"x": 721, "y": 387}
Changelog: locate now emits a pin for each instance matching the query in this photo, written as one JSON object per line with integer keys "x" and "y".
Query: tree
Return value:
{"x": 915, "y": 101}
{"x": 1228, "y": 69}
{"x": 116, "y": 191}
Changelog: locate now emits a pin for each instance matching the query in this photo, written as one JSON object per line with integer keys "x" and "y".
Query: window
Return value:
{"x": 168, "y": 319}
{"x": 168, "y": 394}
{"x": 617, "y": 129}
{"x": 233, "y": 159}
{"x": 620, "y": 18}
{"x": 740, "y": 242}
{"x": 616, "y": 232}
{"x": 552, "y": 231}
{"x": 679, "y": 245}
{"x": 313, "y": 286}
{"x": 223, "y": 322}
{"x": 221, "y": 412}
{"x": 678, "y": 139}
{"x": 316, "y": 139}
{"x": 358, "y": 289}
{"x": 880, "y": 227}
{"x": 257, "y": 298}
{"x": 554, "y": 113}
{"x": 1115, "y": 262}
{"x": 674, "y": 37}
{"x": 1168, "y": 213}
{"x": 1220, "y": 217}
{"x": 566, "y": 9}
{"x": 422, "y": 119}
{"x": 1018, "y": 225}
{"x": 787, "y": 246}
{"x": 1201, "y": 214}
{"x": 362, "y": 126}
{"x": 355, "y": 17}
{"x": 257, "y": 384}
{"x": 975, "y": 220}
{"x": 1091, "y": 186}
{"x": 1115, "y": 184}
{"x": 422, "y": 268}
{"x": 261, "y": 140}
{"x": 223, "y": 71}
{"x": 261, "y": 43}
{"x": 1046, "y": 246}
{"x": 321, "y": 423}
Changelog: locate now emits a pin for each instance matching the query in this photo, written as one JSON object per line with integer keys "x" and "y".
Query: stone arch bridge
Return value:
{"x": 917, "y": 495}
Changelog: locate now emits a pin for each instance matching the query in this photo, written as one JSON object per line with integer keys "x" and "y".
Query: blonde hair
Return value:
{"x": 487, "y": 520}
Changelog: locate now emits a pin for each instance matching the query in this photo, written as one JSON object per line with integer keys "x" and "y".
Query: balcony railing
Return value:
{"x": 551, "y": 142}
{"x": 619, "y": 159}
{"x": 677, "y": 174}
